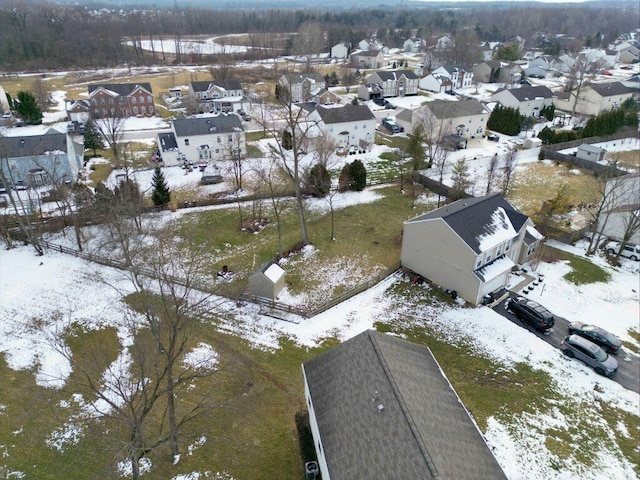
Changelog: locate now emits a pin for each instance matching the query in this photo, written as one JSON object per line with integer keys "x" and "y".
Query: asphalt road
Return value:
{"x": 628, "y": 374}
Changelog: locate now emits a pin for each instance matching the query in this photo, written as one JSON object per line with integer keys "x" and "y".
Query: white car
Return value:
{"x": 629, "y": 250}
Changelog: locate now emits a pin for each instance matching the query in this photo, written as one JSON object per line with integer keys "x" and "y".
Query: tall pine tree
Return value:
{"x": 27, "y": 108}
{"x": 161, "y": 195}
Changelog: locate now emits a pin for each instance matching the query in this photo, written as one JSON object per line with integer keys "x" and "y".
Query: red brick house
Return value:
{"x": 122, "y": 99}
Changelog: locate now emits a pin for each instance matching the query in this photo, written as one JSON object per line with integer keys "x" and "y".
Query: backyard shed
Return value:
{"x": 590, "y": 152}
{"x": 267, "y": 281}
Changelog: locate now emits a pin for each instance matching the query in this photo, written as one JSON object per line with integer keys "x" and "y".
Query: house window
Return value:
{"x": 186, "y": 141}
{"x": 102, "y": 102}
{"x": 133, "y": 100}
{"x": 113, "y": 111}
{"x": 135, "y": 110}
{"x": 531, "y": 249}
{"x": 144, "y": 110}
{"x": 217, "y": 150}
{"x": 149, "y": 99}
{"x": 141, "y": 99}
{"x": 488, "y": 256}
{"x": 111, "y": 101}
{"x": 94, "y": 101}
{"x": 219, "y": 140}
{"x": 499, "y": 251}
{"x": 104, "y": 112}
{"x": 507, "y": 246}
{"x": 355, "y": 127}
{"x": 150, "y": 109}
{"x": 230, "y": 137}
{"x": 479, "y": 262}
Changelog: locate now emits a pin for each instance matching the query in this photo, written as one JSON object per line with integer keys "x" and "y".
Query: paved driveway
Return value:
{"x": 628, "y": 374}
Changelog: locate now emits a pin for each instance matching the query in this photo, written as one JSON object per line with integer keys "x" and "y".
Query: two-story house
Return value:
{"x": 413, "y": 45}
{"x": 447, "y": 78}
{"x": 529, "y": 100}
{"x": 596, "y": 98}
{"x": 470, "y": 245}
{"x": 466, "y": 118}
{"x": 369, "y": 59}
{"x": 395, "y": 83}
{"x": 349, "y": 125}
{"x": 36, "y": 160}
{"x": 340, "y": 51}
{"x": 621, "y": 209}
{"x": 302, "y": 88}
{"x": 495, "y": 71}
{"x": 121, "y": 99}
{"x": 202, "y": 139}
{"x": 216, "y": 96}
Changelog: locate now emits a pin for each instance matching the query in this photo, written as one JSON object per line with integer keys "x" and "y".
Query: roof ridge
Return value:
{"x": 403, "y": 406}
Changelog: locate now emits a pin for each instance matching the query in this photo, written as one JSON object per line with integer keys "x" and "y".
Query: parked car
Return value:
{"x": 493, "y": 137}
{"x": 607, "y": 73}
{"x": 390, "y": 124}
{"x": 532, "y": 313}
{"x": 629, "y": 250}
{"x": 589, "y": 353}
{"x": 379, "y": 101}
{"x": 244, "y": 115}
{"x": 597, "y": 335}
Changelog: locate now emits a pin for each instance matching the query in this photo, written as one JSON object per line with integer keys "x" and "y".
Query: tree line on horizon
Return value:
{"x": 36, "y": 36}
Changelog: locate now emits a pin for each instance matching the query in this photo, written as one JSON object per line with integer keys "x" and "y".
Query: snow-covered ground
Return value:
{"x": 66, "y": 289}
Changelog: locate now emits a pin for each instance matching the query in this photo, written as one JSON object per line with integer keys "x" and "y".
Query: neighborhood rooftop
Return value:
{"x": 443, "y": 109}
{"x": 348, "y": 113}
{"x": 207, "y": 125}
{"x": 224, "y": 84}
{"x": 33, "y": 145}
{"x": 384, "y": 409}
{"x": 529, "y": 93}
{"x": 122, "y": 89}
{"x": 609, "y": 89}
{"x": 475, "y": 219}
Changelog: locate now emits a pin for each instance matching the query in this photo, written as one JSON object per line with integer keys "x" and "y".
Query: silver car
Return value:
{"x": 589, "y": 353}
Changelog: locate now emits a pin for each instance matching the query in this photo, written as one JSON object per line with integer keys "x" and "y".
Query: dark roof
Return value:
{"x": 473, "y": 218}
{"x": 167, "y": 141}
{"x": 610, "y": 89}
{"x": 442, "y": 109}
{"x": 122, "y": 89}
{"x": 348, "y": 113}
{"x": 530, "y": 93}
{"x": 224, "y": 84}
{"x": 385, "y": 410}
{"x": 207, "y": 125}
{"x": 395, "y": 74}
{"x": 367, "y": 53}
{"x": 32, "y": 146}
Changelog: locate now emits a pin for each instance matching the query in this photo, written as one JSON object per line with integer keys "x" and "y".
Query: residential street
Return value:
{"x": 628, "y": 374}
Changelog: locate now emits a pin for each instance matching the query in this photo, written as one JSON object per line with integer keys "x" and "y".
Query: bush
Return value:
{"x": 353, "y": 177}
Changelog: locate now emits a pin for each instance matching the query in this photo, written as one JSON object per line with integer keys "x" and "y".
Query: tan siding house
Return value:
{"x": 469, "y": 246}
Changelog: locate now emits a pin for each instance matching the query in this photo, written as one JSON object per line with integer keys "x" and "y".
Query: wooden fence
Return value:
{"x": 298, "y": 310}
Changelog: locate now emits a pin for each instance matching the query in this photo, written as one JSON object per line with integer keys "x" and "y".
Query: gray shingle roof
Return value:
{"x": 348, "y": 113}
{"x": 167, "y": 141}
{"x": 529, "y": 93}
{"x": 207, "y": 125}
{"x": 33, "y": 145}
{"x": 122, "y": 89}
{"x": 225, "y": 84}
{"x": 395, "y": 74}
{"x": 471, "y": 218}
{"x": 610, "y": 89}
{"x": 385, "y": 410}
{"x": 442, "y": 109}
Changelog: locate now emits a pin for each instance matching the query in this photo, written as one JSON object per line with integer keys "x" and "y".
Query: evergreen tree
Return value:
{"x": 344, "y": 180}
{"x": 415, "y": 148}
{"x": 358, "y": 174}
{"x": 287, "y": 142}
{"x": 161, "y": 194}
{"x": 334, "y": 79}
{"x": 27, "y": 108}
{"x": 318, "y": 181}
{"x": 92, "y": 139}
{"x": 460, "y": 179}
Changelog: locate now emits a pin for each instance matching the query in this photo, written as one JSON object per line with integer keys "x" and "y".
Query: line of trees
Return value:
{"x": 47, "y": 35}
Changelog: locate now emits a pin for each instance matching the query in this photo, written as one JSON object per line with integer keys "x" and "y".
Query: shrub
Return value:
{"x": 317, "y": 181}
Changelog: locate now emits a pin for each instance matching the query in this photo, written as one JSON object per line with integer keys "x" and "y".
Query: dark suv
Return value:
{"x": 589, "y": 353}
{"x": 532, "y": 313}
{"x": 597, "y": 335}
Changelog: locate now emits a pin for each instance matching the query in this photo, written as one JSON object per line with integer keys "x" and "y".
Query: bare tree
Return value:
{"x": 610, "y": 189}
{"x": 581, "y": 70}
{"x": 41, "y": 92}
{"x": 492, "y": 170}
{"x": 441, "y": 162}
{"x": 237, "y": 156}
{"x": 508, "y": 171}
{"x": 460, "y": 180}
{"x": 309, "y": 43}
{"x": 324, "y": 147}
{"x": 111, "y": 128}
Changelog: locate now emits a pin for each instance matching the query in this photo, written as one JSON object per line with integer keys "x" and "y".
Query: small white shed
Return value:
{"x": 267, "y": 281}
{"x": 533, "y": 142}
{"x": 590, "y": 152}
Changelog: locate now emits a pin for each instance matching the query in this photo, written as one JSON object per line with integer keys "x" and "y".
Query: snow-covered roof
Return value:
{"x": 274, "y": 272}
{"x": 494, "y": 269}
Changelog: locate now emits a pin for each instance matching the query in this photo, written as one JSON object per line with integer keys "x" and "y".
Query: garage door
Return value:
{"x": 494, "y": 284}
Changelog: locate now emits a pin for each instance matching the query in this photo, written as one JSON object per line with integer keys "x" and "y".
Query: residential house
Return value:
{"x": 216, "y": 96}
{"x": 622, "y": 209}
{"x": 529, "y": 100}
{"x": 466, "y": 118}
{"x": 364, "y": 45}
{"x": 444, "y": 43}
{"x": 470, "y": 245}
{"x": 370, "y": 59}
{"x": 495, "y": 71}
{"x": 384, "y": 83}
{"x": 53, "y": 158}
{"x": 590, "y": 152}
{"x": 77, "y": 110}
{"x": 596, "y": 98}
{"x": 267, "y": 281}
{"x": 349, "y": 125}
{"x": 202, "y": 139}
{"x": 121, "y": 99}
{"x": 326, "y": 97}
{"x": 628, "y": 52}
{"x": 447, "y": 78}
{"x": 340, "y": 51}
{"x": 302, "y": 87}
{"x": 632, "y": 82}
{"x": 381, "y": 407}
{"x": 413, "y": 45}
{"x": 4, "y": 102}
{"x": 543, "y": 66}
